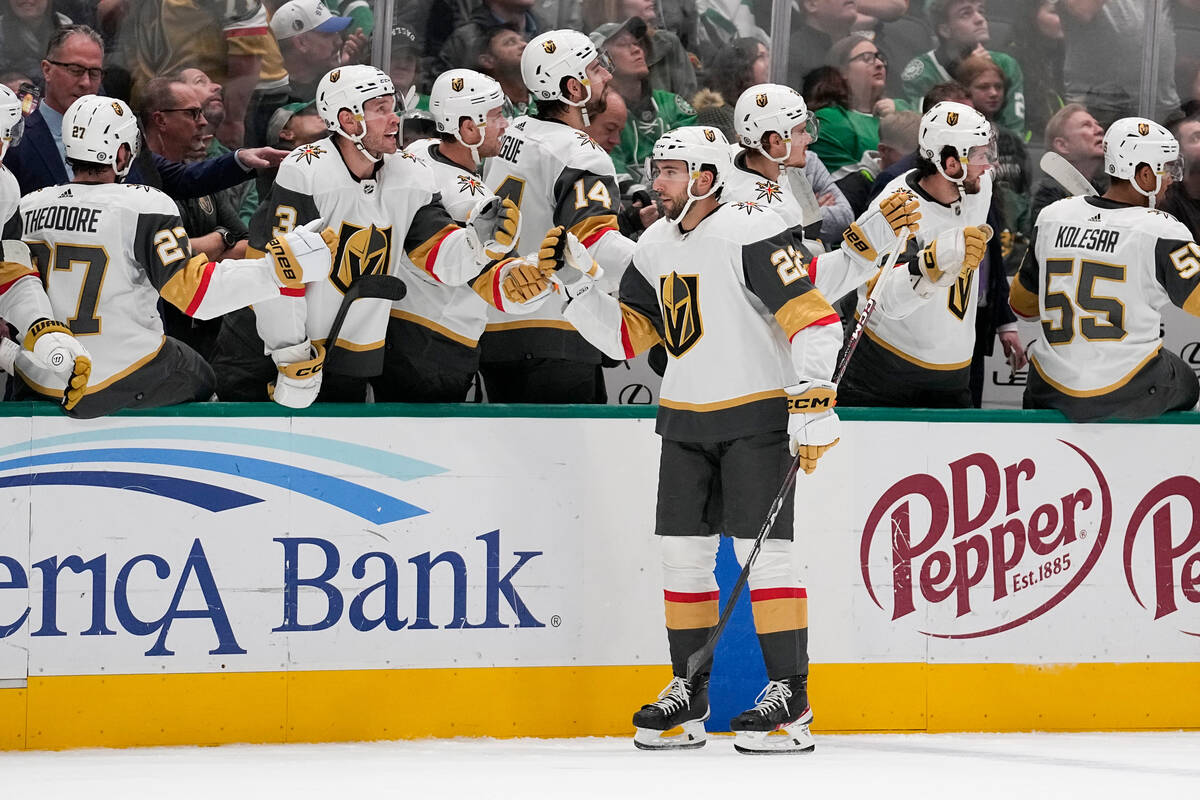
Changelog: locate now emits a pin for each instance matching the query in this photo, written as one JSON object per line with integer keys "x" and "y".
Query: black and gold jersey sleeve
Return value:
{"x": 585, "y": 204}
{"x": 777, "y": 274}
{"x": 162, "y": 247}
{"x": 1177, "y": 268}
{"x": 641, "y": 314}
{"x": 430, "y": 225}
{"x": 284, "y": 210}
{"x": 1023, "y": 296}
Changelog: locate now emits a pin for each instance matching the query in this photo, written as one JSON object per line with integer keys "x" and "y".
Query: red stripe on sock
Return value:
{"x": 777, "y": 593}
{"x": 691, "y": 597}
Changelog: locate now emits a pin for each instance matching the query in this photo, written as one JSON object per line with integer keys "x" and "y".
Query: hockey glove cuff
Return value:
{"x": 954, "y": 253}
{"x": 300, "y": 370}
{"x": 303, "y": 256}
{"x": 813, "y": 425}
{"x": 578, "y": 273}
{"x": 497, "y": 224}
{"x": 874, "y": 233}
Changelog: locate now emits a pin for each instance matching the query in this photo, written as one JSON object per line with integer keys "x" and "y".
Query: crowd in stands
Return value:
{"x": 224, "y": 89}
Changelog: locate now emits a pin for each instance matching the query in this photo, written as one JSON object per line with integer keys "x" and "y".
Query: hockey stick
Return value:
{"x": 1063, "y": 173}
{"x": 381, "y": 287}
{"x": 702, "y": 656}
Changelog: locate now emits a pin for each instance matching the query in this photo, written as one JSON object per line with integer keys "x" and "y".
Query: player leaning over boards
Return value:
{"x": 750, "y": 339}
{"x": 1096, "y": 274}
{"x": 558, "y": 175}
{"x": 924, "y": 359}
{"x": 433, "y": 335}
{"x": 106, "y": 252}
{"x": 774, "y": 129}
{"x": 384, "y": 207}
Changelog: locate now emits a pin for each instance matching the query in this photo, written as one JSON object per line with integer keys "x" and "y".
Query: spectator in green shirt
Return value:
{"x": 962, "y": 31}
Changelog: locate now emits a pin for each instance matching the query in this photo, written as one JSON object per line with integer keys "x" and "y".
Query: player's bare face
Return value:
{"x": 383, "y": 126}
{"x": 598, "y": 77}
{"x": 671, "y": 184}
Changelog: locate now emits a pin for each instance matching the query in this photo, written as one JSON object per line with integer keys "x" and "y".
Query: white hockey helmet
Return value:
{"x": 350, "y": 87}
{"x": 950, "y": 124}
{"x": 460, "y": 93}
{"x": 1132, "y": 141}
{"x": 770, "y": 108}
{"x": 94, "y": 128}
{"x": 554, "y": 56}
{"x": 696, "y": 146}
{"x": 12, "y": 121}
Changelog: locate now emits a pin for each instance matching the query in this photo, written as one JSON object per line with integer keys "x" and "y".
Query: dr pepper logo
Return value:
{"x": 985, "y": 546}
{"x": 1161, "y": 552}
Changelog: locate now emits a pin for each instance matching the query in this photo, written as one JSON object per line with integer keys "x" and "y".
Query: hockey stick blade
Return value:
{"x": 704, "y": 654}
{"x": 379, "y": 287}
{"x": 1063, "y": 173}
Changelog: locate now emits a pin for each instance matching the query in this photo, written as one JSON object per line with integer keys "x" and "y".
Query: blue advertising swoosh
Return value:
{"x": 202, "y": 495}
{"x": 358, "y": 500}
{"x": 378, "y": 461}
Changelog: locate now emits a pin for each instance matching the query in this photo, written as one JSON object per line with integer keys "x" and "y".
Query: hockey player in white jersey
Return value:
{"x": 384, "y": 206}
{"x": 924, "y": 359}
{"x": 774, "y": 129}
{"x": 1097, "y": 274}
{"x": 106, "y": 253}
{"x": 55, "y": 348}
{"x": 558, "y": 175}
{"x": 433, "y": 336}
{"x": 752, "y": 347}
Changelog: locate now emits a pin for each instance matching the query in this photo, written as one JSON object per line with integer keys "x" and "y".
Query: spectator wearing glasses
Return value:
{"x": 71, "y": 69}
{"x": 849, "y": 125}
{"x": 25, "y": 29}
{"x": 962, "y": 31}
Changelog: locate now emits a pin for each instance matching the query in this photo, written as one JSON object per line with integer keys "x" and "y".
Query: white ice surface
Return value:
{"x": 931, "y": 767}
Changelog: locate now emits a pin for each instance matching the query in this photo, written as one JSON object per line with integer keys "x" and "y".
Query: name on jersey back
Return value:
{"x": 1102, "y": 240}
{"x": 62, "y": 218}
{"x": 510, "y": 148}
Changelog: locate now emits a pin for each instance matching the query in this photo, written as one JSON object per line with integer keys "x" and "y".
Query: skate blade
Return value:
{"x": 693, "y": 736}
{"x": 794, "y": 738}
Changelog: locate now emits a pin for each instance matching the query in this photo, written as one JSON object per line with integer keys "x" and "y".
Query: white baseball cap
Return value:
{"x": 301, "y": 16}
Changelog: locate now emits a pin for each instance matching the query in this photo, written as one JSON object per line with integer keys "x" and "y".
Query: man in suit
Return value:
{"x": 72, "y": 68}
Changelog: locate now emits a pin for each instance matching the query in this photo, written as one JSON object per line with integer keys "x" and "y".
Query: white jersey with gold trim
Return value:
{"x": 391, "y": 223}
{"x": 938, "y": 334}
{"x": 744, "y": 184}
{"x": 106, "y": 254}
{"x": 1097, "y": 275}
{"x": 557, "y": 175}
{"x": 456, "y": 312}
{"x": 736, "y": 312}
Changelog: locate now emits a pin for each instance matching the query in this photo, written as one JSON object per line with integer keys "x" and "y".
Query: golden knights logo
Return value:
{"x": 469, "y": 183}
{"x": 587, "y": 141}
{"x": 308, "y": 152}
{"x": 360, "y": 251}
{"x": 760, "y": 100}
{"x": 960, "y": 294}
{"x": 681, "y": 311}
{"x": 549, "y": 46}
{"x": 456, "y": 84}
{"x": 120, "y": 112}
{"x": 952, "y": 118}
{"x": 769, "y": 191}
{"x": 335, "y": 75}
{"x": 710, "y": 134}
{"x": 1144, "y": 129}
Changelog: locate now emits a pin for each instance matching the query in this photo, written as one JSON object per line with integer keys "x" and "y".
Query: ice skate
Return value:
{"x": 679, "y": 705}
{"x": 782, "y": 706}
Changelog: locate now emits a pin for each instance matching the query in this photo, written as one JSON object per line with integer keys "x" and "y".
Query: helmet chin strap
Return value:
{"x": 1151, "y": 196}
{"x": 582, "y": 105}
{"x": 787, "y": 153}
{"x": 356, "y": 140}
{"x": 958, "y": 182}
{"x": 693, "y": 197}
{"x": 474, "y": 148}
